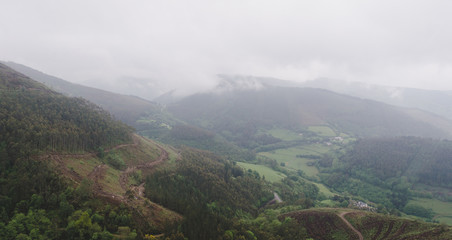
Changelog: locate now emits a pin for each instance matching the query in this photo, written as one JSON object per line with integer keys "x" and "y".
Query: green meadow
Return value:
{"x": 270, "y": 174}
{"x": 288, "y": 156}
{"x": 443, "y": 210}
{"x": 285, "y": 135}
{"x": 323, "y": 131}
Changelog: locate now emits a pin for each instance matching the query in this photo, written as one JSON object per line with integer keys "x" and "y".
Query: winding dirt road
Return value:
{"x": 98, "y": 173}
{"x": 341, "y": 215}
{"x": 124, "y": 177}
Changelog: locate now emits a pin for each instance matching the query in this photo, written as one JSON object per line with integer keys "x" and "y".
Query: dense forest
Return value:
{"x": 35, "y": 201}
{"x": 228, "y": 202}
{"x": 188, "y": 135}
{"x": 34, "y": 118}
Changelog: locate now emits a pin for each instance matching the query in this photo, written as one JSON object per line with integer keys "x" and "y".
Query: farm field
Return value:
{"x": 323, "y": 189}
{"x": 288, "y": 156}
{"x": 323, "y": 131}
{"x": 443, "y": 210}
{"x": 270, "y": 174}
{"x": 284, "y": 134}
{"x": 274, "y": 176}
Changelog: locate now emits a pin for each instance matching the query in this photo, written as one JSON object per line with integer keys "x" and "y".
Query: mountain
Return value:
{"x": 124, "y": 107}
{"x": 434, "y": 101}
{"x": 245, "y": 112}
{"x": 240, "y": 80}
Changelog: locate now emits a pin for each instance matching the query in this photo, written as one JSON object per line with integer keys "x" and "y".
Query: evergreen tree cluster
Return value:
{"x": 35, "y": 119}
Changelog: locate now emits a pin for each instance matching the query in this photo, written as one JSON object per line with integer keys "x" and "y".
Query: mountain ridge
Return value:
{"x": 127, "y": 108}
{"x": 303, "y": 107}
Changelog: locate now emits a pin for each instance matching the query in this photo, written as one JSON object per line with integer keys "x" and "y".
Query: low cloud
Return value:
{"x": 163, "y": 45}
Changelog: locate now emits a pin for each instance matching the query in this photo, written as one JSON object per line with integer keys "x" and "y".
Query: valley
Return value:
{"x": 278, "y": 163}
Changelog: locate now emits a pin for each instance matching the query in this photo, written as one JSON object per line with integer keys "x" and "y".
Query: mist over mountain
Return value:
{"x": 433, "y": 101}
{"x": 225, "y": 120}
{"x": 296, "y": 107}
{"x": 270, "y": 150}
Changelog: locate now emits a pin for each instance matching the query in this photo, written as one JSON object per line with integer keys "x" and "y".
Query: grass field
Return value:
{"x": 443, "y": 210}
{"x": 270, "y": 174}
{"x": 323, "y": 131}
{"x": 284, "y": 134}
{"x": 323, "y": 189}
{"x": 289, "y": 157}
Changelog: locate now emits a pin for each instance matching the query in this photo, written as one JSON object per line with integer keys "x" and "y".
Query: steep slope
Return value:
{"x": 35, "y": 118}
{"x": 68, "y": 160}
{"x": 124, "y": 107}
{"x": 245, "y": 111}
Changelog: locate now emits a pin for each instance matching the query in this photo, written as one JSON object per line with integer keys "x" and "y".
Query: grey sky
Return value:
{"x": 168, "y": 44}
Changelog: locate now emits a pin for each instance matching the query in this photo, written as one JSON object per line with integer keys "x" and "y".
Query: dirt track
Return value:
{"x": 124, "y": 178}
{"x": 341, "y": 215}
{"x": 99, "y": 171}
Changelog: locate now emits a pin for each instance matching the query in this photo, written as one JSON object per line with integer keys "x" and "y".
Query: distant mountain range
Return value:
{"x": 434, "y": 101}
{"x": 270, "y": 101}
{"x": 269, "y": 106}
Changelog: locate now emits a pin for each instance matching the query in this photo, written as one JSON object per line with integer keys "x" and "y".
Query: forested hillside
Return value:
{"x": 221, "y": 200}
{"x": 391, "y": 171}
{"x": 421, "y": 160}
{"x": 35, "y": 118}
{"x": 35, "y": 200}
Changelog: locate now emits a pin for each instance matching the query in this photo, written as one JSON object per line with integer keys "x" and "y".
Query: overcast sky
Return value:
{"x": 184, "y": 44}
